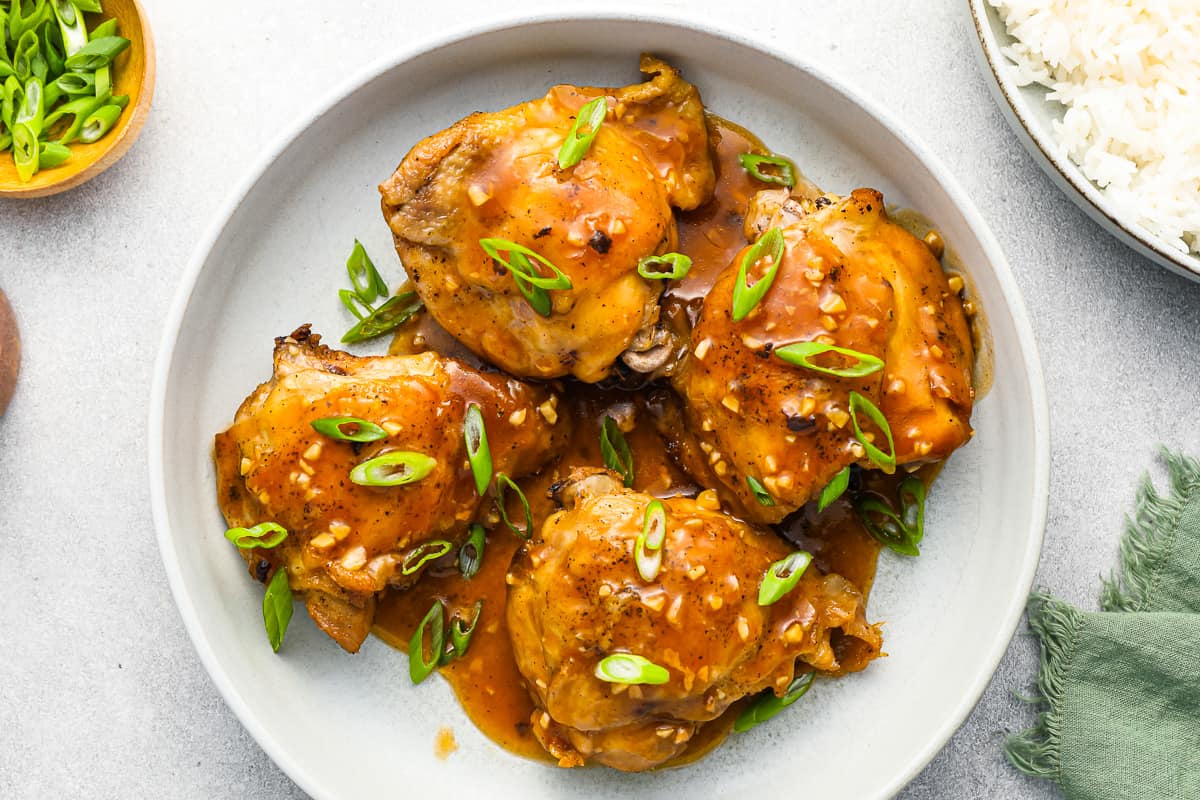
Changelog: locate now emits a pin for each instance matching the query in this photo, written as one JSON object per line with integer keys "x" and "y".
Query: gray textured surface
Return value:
{"x": 101, "y": 694}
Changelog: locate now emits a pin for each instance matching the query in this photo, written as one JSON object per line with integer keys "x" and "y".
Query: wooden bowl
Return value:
{"x": 10, "y": 352}
{"x": 133, "y": 74}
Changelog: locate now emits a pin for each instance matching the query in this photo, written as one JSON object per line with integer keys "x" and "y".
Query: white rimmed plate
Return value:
{"x": 351, "y": 726}
{"x": 1030, "y": 115}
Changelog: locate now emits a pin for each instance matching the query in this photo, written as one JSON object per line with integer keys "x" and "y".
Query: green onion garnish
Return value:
{"x": 768, "y": 705}
{"x": 389, "y": 316}
{"x": 532, "y": 285}
{"x": 479, "y": 455}
{"x": 583, "y": 132}
{"x": 615, "y": 451}
{"x": 422, "y": 554}
{"x": 630, "y": 668}
{"x": 470, "y": 555}
{"x": 834, "y": 489}
{"x": 349, "y": 429}
{"x": 885, "y": 461}
{"x": 886, "y": 526}
{"x": 366, "y": 280}
{"x": 648, "y": 547}
{"x": 782, "y": 576}
{"x": 397, "y": 468}
{"x": 25, "y": 151}
{"x": 785, "y": 174}
{"x": 277, "y": 608}
{"x": 802, "y": 353}
{"x": 419, "y": 667}
{"x": 354, "y": 303}
{"x": 503, "y": 484}
{"x": 745, "y": 298}
{"x": 760, "y": 492}
{"x": 912, "y": 507}
{"x": 265, "y": 535}
{"x": 667, "y": 267}
{"x": 460, "y": 634}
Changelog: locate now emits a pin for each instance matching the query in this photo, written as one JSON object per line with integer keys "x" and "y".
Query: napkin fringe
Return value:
{"x": 1036, "y": 751}
{"x": 1150, "y": 536}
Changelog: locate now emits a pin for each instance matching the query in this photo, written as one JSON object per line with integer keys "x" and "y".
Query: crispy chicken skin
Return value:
{"x": 850, "y": 277}
{"x": 575, "y": 596}
{"x": 496, "y": 175}
{"x": 346, "y": 541}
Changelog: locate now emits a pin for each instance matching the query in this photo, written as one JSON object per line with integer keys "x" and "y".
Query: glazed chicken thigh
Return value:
{"x": 849, "y": 277}
{"x": 346, "y": 541}
{"x": 497, "y": 176}
{"x": 575, "y": 597}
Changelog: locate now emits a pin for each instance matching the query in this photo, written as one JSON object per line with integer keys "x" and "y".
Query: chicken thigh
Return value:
{"x": 576, "y": 596}
{"x": 497, "y": 176}
{"x": 849, "y": 277}
{"x": 346, "y": 541}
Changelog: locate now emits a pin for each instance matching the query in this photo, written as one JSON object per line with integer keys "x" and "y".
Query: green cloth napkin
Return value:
{"x": 1120, "y": 688}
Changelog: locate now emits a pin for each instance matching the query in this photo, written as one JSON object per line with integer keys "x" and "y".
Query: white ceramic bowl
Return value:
{"x": 351, "y": 726}
{"x": 1030, "y": 114}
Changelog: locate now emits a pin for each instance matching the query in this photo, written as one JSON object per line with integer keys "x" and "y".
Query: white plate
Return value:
{"x": 351, "y": 726}
{"x": 1030, "y": 114}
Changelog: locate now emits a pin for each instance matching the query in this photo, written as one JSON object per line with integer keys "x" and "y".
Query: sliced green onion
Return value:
{"x": 615, "y": 451}
{"x": 24, "y": 53}
{"x": 760, "y": 492}
{"x": 71, "y": 25}
{"x": 72, "y": 83}
{"x": 349, "y": 429}
{"x": 754, "y": 163}
{"x": 25, "y": 151}
{"x": 93, "y": 6}
{"x": 32, "y": 109}
{"x": 106, "y": 28}
{"x": 420, "y": 667}
{"x": 583, "y": 132}
{"x": 366, "y": 280}
{"x": 389, "y": 316}
{"x": 912, "y": 507}
{"x": 532, "y": 285}
{"x": 631, "y": 669}
{"x": 504, "y": 484}
{"x": 667, "y": 267}
{"x": 99, "y": 122}
{"x": 648, "y": 547}
{"x": 397, "y": 468}
{"x": 479, "y": 454}
{"x": 97, "y": 53}
{"x": 768, "y": 705}
{"x": 782, "y": 576}
{"x": 277, "y": 608}
{"x": 80, "y": 109}
{"x": 470, "y": 555}
{"x": 745, "y": 298}
{"x": 103, "y": 78}
{"x": 802, "y": 353}
{"x": 460, "y": 634}
{"x": 885, "y": 525}
{"x": 422, "y": 554}
{"x": 834, "y": 489}
{"x": 265, "y": 535}
{"x": 885, "y": 461}
{"x": 354, "y": 303}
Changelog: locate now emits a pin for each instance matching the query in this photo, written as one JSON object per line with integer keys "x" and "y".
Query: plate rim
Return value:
{"x": 1063, "y": 172}
{"x": 619, "y": 12}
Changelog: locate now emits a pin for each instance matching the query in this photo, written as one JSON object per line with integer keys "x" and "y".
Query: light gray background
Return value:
{"x": 101, "y": 693}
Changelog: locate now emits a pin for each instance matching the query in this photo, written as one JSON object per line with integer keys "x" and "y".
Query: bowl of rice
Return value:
{"x": 1105, "y": 95}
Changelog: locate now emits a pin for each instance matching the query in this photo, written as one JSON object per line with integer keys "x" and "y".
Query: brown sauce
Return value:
{"x": 487, "y": 681}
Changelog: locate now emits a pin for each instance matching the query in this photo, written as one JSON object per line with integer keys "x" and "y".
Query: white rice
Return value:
{"x": 1129, "y": 76}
